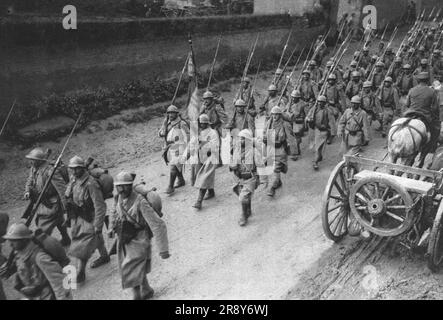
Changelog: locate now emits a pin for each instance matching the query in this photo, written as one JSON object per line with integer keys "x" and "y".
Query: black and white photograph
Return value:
{"x": 221, "y": 150}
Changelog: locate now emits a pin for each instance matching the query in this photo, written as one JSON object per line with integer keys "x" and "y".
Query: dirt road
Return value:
{"x": 281, "y": 254}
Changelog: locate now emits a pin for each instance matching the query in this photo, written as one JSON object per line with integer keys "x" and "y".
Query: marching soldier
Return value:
{"x": 397, "y": 69}
{"x": 365, "y": 59}
{"x": 405, "y": 82}
{"x": 354, "y": 87}
{"x": 353, "y": 128}
{"x": 242, "y": 119}
{"x": 246, "y": 93}
{"x": 437, "y": 65}
{"x": 316, "y": 73}
{"x": 38, "y": 276}
{"x": 175, "y": 131}
{"x": 379, "y": 75}
{"x": 136, "y": 223}
{"x": 387, "y": 100}
{"x": 206, "y": 149}
{"x": 320, "y": 47}
{"x": 388, "y": 58}
{"x": 322, "y": 121}
{"x": 245, "y": 162}
{"x": 50, "y": 213}
{"x": 270, "y": 101}
{"x": 424, "y": 67}
{"x": 368, "y": 103}
{"x": 308, "y": 88}
{"x": 423, "y": 101}
{"x": 370, "y": 66}
{"x": 281, "y": 149}
{"x": 336, "y": 72}
{"x": 336, "y": 101}
{"x": 215, "y": 111}
{"x": 87, "y": 210}
{"x": 348, "y": 73}
{"x": 297, "y": 109}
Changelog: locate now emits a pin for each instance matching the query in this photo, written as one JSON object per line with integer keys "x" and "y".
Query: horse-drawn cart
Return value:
{"x": 388, "y": 200}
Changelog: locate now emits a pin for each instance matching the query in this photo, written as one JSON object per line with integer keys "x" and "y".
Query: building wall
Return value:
{"x": 295, "y": 7}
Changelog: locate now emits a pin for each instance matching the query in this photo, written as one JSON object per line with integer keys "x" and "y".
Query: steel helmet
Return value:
{"x": 353, "y": 63}
{"x": 380, "y": 64}
{"x": 412, "y": 50}
{"x": 37, "y": 154}
{"x": 421, "y": 48}
{"x": 312, "y": 63}
{"x": 246, "y": 79}
{"x": 424, "y": 61}
{"x": 124, "y": 178}
{"x": 332, "y": 77}
{"x": 322, "y": 99}
{"x": 172, "y": 109}
{"x": 272, "y": 87}
{"x": 208, "y": 95}
{"x": 423, "y": 76}
{"x": 279, "y": 71}
{"x": 276, "y": 110}
{"x": 407, "y": 66}
{"x": 357, "y": 53}
{"x": 296, "y": 94}
{"x": 389, "y": 50}
{"x": 398, "y": 59}
{"x": 374, "y": 57}
{"x": 204, "y": 118}
{"x": 356, "y": 99}
{"x": 245, "y": 133}
{"x": 329, "y": 64}
{"x": 306, "y": 72}
{"x": 355, "y": 74}
{"x": 367, "y": 84}
{"x": 388, "y": 79}
{"x": 240, "y": 103}
{"x": 76, "y": 162}
{"x": 365, "y": 49}
{"x": 18, "y": 231}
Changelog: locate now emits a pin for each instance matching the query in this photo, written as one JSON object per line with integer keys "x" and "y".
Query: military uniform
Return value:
{"x": 50, "y": 213}
{"x": 378, "y": 79}
{"x": 369, "y": 106}
{"x": 353, "y": 88}
{"x": 387, "y": 100}
{"x": 134, "y": 257}
{"x": 39, "y": 277}
{"x": 269, "y": 103}
{"x": 217, "y": 115}
{"x": 308, "y": 90}
{"x": 354, "y": 127}
{"x": 422, "y": 101}
{"x": 324, "y": 124}
{"x": 337, "y": 96}
{"x": 87, "y": 222}
{"x": 420, "y": 69}
{"x": 297, "y": 113}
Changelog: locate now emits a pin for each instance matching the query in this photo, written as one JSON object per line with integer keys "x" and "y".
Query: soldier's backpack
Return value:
{"x": 52, "y": 247}
{"x": 151, "y": 196}
{"x": 102, "y": 176}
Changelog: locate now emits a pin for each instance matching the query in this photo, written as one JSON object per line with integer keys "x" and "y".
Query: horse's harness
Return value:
{"x": 406, "y": 125}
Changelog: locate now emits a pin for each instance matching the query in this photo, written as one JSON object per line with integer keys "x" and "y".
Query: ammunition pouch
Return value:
{"x": 75, "y": 211}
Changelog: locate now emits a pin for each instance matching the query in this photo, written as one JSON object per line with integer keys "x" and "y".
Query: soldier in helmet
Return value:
{"x": 379, "y": 75}
{"x": 175, "y": 131}
{"x": 215, "y": 111}
{"x": 270, "y": 101}
{"x": 381, "y": 48}
{"x": 396, "y": 69}
{"x": 38, "y": 276}
{"x": 336, "y": 72}
{"x": 320, "y": 49}
{"x": 246, "y": 93}
{"x": 308, "y": 88}
{"x": 422, "y": 102}
{"x": 405, "y": 82}
{"x": 322, "y": 121}
{"x": 50, "y": 214}
{"x": 365, "y": 59}
{"x": 368, "y": 103}
{"x": 205, "y": 152}
{"x": 437, "y": 65}
{"x": 370, "y": 66}
{"x": 136, "y": 222}
{"x": 353, "y": 66}
{"x": 353, "y": 127}
{"x": 246, "y": 159}
{"x": 275, "y": 136}
{"x": 388, "y": 58}
{"x": 87, "y": 214}
{"x": 387, "y": 100}
{"x": 316, "y": 73}
{"x": 297, "y": 110}
{"x": 241, "y": 119}
{"x": 424, "y": 67}
{"x": 354, "y": 87}
{"x": 336, "y": 101}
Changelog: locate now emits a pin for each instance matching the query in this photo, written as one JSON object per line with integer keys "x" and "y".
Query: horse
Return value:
{"x": 407, "y": 138}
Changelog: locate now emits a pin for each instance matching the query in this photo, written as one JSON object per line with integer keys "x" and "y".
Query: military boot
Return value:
{"x": 172, "y": 177}
{"x": 244, "y": 217}
{"x": 201, "y": 194}
{"x": 181, "y": 180}
{"x": 210, "y": 195}
{"x": 249, "y": 212}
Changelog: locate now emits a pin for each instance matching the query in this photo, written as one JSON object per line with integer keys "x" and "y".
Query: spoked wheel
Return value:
{"x": 382, "y": 206}
{"x": 335, "y": 202}
{"x": 435, "y": 246}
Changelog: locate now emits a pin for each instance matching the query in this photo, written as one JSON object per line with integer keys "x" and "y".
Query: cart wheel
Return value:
{"x": 335, "y": 202}
{"x": 382, "y": 206}
{"x": 435, "y": 246}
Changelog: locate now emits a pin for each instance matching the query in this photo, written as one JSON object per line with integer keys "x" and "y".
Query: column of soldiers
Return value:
{"x": 368, "y": 90}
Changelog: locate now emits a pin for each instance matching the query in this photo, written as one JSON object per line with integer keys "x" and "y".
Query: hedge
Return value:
{"x": 49, "y": 32}
{"x": 100, "y": 103}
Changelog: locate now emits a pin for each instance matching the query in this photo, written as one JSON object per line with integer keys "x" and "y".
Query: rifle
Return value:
{"x": 7, "y": 117}
{"x": 245, "y": 70}
{"x": 282, "y": 55}
{"x": 213, "y": 63}
{"x": 286, "y": 65}
{"x": 371, "y": 74}
{"x": 180, "y": 80}
{"x": 290, "y": 77}
{"x": 31, "y": 213}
